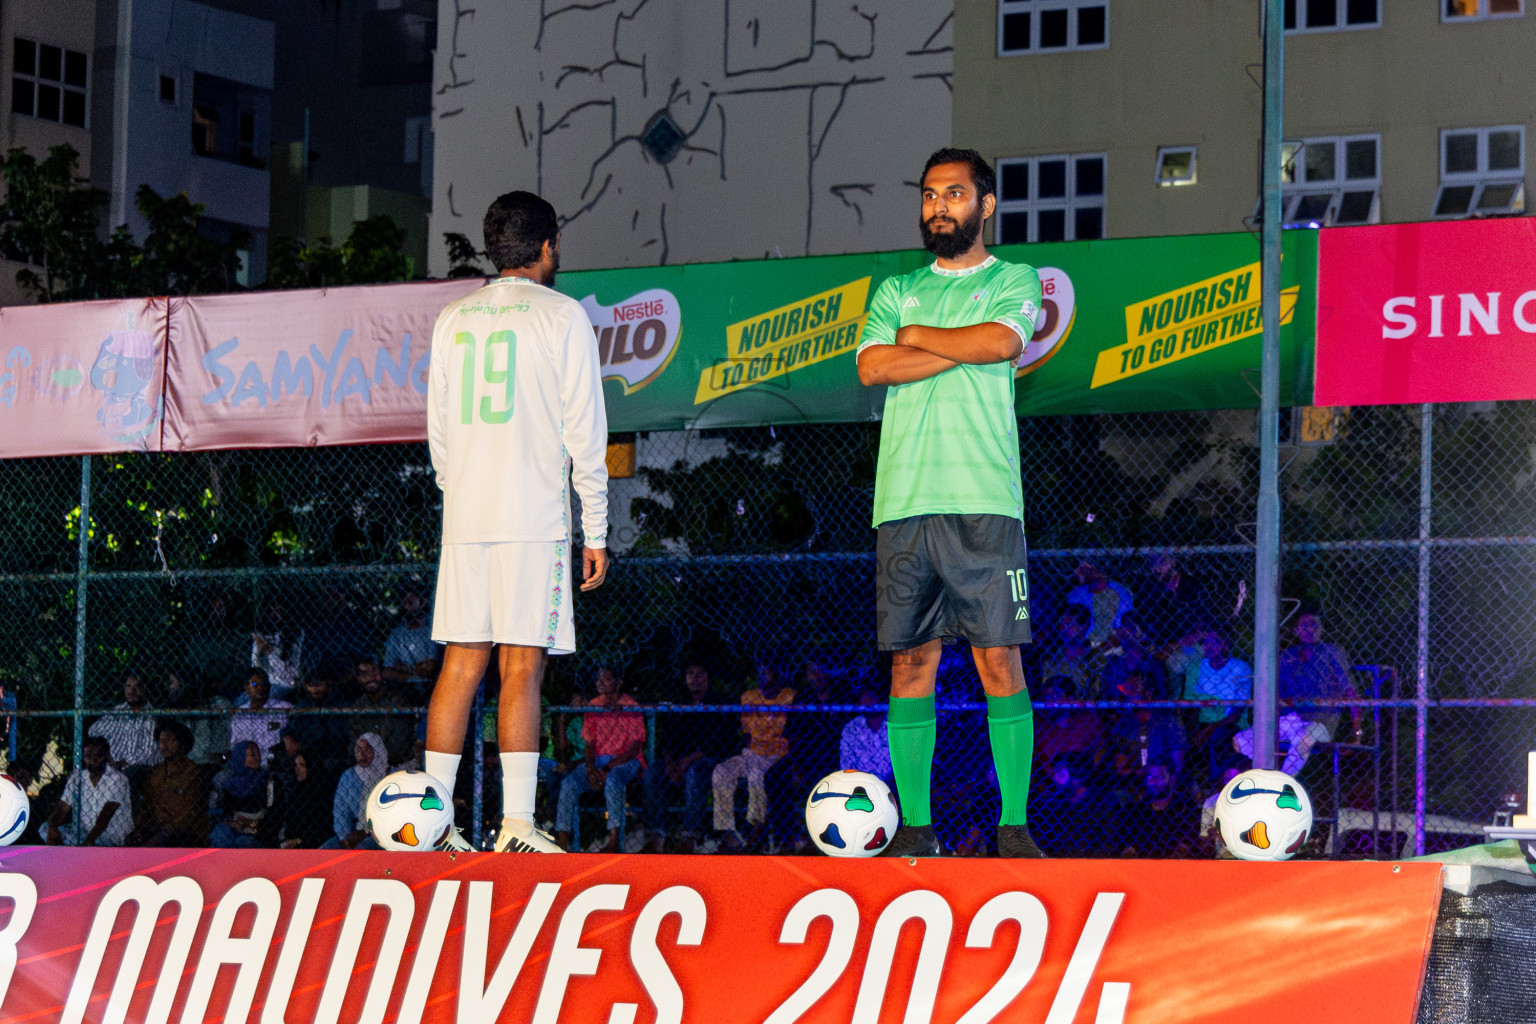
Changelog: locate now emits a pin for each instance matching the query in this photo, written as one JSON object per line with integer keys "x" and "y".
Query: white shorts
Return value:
{"x": 514, "y": 593}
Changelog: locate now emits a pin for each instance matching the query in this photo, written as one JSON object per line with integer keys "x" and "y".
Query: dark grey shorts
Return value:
{"x": 951, "y": 575}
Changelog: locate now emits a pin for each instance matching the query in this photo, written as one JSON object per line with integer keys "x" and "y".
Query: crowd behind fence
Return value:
{"x": 1409, "y": 538}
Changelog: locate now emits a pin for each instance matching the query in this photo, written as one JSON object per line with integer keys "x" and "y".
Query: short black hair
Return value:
{"x": 99, "y": 743}
{"x": 982, "y": 175}
{"x": 516, "y": 227}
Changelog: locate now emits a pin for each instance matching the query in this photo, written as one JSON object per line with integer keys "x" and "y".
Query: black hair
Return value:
{"x": 982, "y": 175}
{"x": 99, "y": 741}
{"x": 516, "y": 227}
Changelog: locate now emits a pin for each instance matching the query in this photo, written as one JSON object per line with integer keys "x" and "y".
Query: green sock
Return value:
{"x": 911, "y": 726}
{"x": 1011, "y": 726}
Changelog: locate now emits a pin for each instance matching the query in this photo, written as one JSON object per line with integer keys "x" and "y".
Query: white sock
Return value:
{"x": 519, "y": 782}
{"x": 442, "y": 767}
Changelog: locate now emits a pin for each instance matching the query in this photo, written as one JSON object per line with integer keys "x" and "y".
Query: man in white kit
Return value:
{"x": 514, "y": 414}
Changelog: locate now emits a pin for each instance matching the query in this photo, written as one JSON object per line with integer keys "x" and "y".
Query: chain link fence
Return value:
{"x": 746, "y": 549}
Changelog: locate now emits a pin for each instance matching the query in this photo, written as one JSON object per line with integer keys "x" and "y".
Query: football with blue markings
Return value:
{"x": 409, "y": 810}
{"x": 1264, "y": 815}
{"x": 851, "y": 814}
{"x": 14, "y": 809}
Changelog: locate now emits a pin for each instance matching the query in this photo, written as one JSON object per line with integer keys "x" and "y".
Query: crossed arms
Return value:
{"x": 922, "y": 352}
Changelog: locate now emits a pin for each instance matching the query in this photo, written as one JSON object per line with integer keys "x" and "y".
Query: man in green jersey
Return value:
{"x": 949, "y": 508}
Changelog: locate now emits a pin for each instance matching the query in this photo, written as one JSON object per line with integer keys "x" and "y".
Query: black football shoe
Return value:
{"x": 913, "y": 841}
{"x": 1015, "y": 841}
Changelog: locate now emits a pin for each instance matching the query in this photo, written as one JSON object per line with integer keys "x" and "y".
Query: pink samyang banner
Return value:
{"x": 311, "y": 367}
{"x": 82, "y": 379}
{"x": 1441, "y": 312}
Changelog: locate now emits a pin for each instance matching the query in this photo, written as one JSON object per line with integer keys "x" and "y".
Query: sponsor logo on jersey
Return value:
{"x": 911, "y": 302}
{"x": 636, "y": 338}
{"x": 1052, "y": 320}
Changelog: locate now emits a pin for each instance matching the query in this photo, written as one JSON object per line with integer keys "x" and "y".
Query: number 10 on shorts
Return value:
{"x": 1018, "y": 582}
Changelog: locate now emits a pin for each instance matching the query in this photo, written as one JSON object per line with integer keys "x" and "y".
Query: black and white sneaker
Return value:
{"x": 518, "y": 836}
{"x": 913, "y": 841}
{"x": 1015, "y": 841}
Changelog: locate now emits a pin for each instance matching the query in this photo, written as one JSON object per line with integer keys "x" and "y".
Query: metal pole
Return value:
{"x": 1266, "y": 605}
{"x": 1421, "y": 655}
{"x": 82, "y": 569}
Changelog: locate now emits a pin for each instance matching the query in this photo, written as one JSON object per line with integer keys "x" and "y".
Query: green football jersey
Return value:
{"x": 950, "y": 444}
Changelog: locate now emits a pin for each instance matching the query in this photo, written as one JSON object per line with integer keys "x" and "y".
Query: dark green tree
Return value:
{"x": 463, "y": 258}
{"x": 178, "y": 257}
{"x": 51, "y": 221}
{"x": 372, "y": 254}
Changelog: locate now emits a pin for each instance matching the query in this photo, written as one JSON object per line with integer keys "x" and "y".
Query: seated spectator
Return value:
{"x": 688, "y": 746}
{"x": 1135, "y": 661}
{"x": 1073, "y": 657}
{"x": 1218, "y": 676}
{"x": 277, "y": 648}
{"x": 410, "y": 656}
{"x": 614, "y": 747}
{"x": 349, "y": 807}
{"x": 1063, "y": 731}
{"x": 864, "y": 745}
{"x": 1069, "y": 816}
{"x": 766, "y": 747}
{"x": 1107, "y": 602}
{"x": 1176, "y": 607}
{"x": 174, "y": 807}
{"x": 1308, "y": 670}
{"x": 1143, "y": 737}
{"x": 130, "y": 731}
{"x": 325, "y": 737}
{"x": 210, "y": 733}
{"x": 564, "y": 749}
{"x": 304, "y": 804}
{"x": 242, "y": 796}
{"x": 106, "y": 815}
{"x": 258, "y": 717}
{"x": 376, "y": 699}
{"x": 1163, "y": 822}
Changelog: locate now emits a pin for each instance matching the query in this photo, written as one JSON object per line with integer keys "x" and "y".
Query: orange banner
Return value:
{"x": 274, "y": 936}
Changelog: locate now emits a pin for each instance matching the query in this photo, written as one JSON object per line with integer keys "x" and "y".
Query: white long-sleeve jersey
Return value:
{"x": 514, "y": 402}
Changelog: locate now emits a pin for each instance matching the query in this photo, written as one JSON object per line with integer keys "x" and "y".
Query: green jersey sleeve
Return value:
{"x": 1016, "y": 302}
{"x": 885, "y": 314}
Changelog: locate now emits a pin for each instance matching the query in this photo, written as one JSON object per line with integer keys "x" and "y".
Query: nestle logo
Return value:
{"x": 639, "y": 310}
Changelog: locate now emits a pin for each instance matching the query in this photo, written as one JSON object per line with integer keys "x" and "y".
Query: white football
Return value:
{"x": 851, "y": 814}
{"x": 1264, "y": 815}
{"x": 14, "y": 810}
{"x": 409, "y": 810}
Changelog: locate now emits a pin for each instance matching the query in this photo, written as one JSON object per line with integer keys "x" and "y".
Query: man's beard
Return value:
{"x": 949, "y": 245}
{"x": 549, "y": 279}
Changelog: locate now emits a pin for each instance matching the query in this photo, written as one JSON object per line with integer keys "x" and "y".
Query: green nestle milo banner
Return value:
{"x": 1128, "y": 325}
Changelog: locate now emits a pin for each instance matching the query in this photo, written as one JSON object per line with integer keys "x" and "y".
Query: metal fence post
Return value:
{"x": 82, "y": 571}
{"x": 1421, "y": 656}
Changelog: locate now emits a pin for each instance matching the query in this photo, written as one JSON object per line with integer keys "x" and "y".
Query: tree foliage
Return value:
{"x": 463, "y": 258}
{"x": 370, "y": 255}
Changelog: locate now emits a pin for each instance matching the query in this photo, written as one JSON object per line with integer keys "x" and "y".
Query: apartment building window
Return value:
{"x": 230, "y": 120}
{"x": 1047, "y": 26}
{"x": 1331, "y": 181}
{"x": 1479, "y": 10}
{"x": 48, "y": 82}
{"x": 1175, "y": 165}
{"x": 1331, "y": 15}
{"x": 1482, "y": 172}
{"x": 1050, "y": 198}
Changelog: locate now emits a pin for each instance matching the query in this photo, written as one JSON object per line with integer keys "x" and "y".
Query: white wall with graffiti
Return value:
{"x": 671, "y": 131}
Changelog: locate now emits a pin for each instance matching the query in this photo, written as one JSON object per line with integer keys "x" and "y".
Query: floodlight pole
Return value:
{"x": 1266, "y": 604}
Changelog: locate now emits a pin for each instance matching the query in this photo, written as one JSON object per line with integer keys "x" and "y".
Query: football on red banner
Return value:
{"x": 14, "y": 809}
{"x": 409, "y": 811}
{"x": 851, "y": 814}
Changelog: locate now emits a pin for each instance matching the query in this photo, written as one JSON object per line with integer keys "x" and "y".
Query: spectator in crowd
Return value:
{"x": 688, "y": 746}
{"x": 341, "y": 636}
{"x": 863, "y": 745}
{"x": 1071, "y": 817}
{"x": 614, "y": 744}
{"x": 410, "y": 656}
{"x": 325, "y": 737}
{"x": 1073, "y": 657}
{"x": 174, "y": 807}
{"x": 1176, "y": 607}
{"x": 349, "y": 808}
{"x": 1144, "y": 737}
{"x": 1163, "y": 822}
{"x": 130, "y": 730}
{"x": 766, "y": 747}
{"x": 242, "y": 795}
{"x": 1135, "y": 661}
{"x": 105, "y": 817}
{"x": 210, "y": 733}
{"x": 1063, "y": 731}
{"x": 1308, "y": 670}
{"x": 258, "y": 717}
{"x": 304, "y": 801}
{"x": 1107, "y": 602}
{"x": 564, "y": 749}
{"x": 380, "y": 703}
{"x": 1217, "y": 676}
{"x": 277, "y": 648}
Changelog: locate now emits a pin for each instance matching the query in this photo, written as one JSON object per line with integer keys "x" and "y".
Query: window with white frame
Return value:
{"x": 1479, "y": 10}
{"x": 1048, "y": 26}
{"x": 48, "y": 82}
{"x": 1482, "y": 171}
{"x": 1331, "y": 181}
{"x": 1331, "y": 15}
{"x": 1050, "y": 198}
{"x": 1175, "y": 165}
